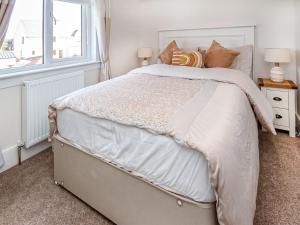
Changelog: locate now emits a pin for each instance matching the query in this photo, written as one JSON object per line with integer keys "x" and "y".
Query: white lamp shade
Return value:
{"x": 277, "y": 55}
{"x": 145, "y": 52}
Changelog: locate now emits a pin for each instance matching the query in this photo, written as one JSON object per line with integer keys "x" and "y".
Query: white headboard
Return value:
{"x": 229, "y": 37}
{"x": 190, "y": 38}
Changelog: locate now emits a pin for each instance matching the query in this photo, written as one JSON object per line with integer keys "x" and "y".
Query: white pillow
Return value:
{"x": 244, "y": 61}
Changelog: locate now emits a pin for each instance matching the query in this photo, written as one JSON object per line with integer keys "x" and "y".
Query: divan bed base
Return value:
{"x": 120, "y": 196}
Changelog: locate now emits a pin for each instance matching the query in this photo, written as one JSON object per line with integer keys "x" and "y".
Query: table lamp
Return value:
{"x": 145, "y": 54}
{"x": 277, "y": 56}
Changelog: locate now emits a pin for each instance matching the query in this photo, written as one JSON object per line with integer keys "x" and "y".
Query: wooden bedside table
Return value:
{"x": 282, "y": 97}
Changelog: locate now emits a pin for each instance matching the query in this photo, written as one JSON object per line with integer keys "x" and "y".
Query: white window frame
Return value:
{"x": 88, "y": 39}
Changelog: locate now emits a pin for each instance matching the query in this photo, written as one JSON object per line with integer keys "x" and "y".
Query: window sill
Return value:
{"x": 17, "y": 78}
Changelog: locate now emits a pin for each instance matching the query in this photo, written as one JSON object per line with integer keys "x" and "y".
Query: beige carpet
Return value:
{"x": 28, "y": 195}
{"x": 278, "y": 201}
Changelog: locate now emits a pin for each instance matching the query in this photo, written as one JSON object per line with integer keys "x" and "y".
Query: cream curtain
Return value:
{"x": 103, "y": 23}
{"x": 6, "y": 8}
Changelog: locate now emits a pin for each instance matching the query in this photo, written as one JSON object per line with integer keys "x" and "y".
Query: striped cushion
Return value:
{"x": 193, "y": 58}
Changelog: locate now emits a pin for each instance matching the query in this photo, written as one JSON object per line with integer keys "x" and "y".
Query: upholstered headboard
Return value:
{"x": 230, "y": 37}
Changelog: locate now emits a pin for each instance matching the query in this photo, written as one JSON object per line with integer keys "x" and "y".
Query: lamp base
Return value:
{"x": 277, "y": 74}
{"x": 145, "y": 62}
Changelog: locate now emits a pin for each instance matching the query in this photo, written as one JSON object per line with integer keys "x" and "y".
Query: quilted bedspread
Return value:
{"x": 213, "y": 111}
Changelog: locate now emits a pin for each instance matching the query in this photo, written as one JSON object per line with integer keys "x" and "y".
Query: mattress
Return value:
{"x": 155, "y": 158}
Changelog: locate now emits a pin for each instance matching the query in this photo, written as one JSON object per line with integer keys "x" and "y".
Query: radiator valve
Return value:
{"x": 20, "y": 146}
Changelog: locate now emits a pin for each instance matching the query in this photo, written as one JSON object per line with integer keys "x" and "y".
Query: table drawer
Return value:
{"x": 278, "y": 99}
{"x": 281, "y": 117}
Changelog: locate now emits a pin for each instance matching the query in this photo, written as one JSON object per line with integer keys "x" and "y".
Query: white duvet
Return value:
{"x": 155, "y": 158}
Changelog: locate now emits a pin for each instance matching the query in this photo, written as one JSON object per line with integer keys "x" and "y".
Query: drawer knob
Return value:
{"x": 277, "y": 99}
{"x": 278, "y": 116}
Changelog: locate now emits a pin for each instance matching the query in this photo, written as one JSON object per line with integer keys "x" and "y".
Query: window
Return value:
{"x": 52, "y": 32}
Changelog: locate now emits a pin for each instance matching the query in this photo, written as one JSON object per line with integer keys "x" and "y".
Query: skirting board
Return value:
{"x": 11, "y": 154}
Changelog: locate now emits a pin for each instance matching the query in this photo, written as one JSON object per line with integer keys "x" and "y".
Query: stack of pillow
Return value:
{"x": 215, "y": 56}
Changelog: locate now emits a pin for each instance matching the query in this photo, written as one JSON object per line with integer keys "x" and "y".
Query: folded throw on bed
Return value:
{"x": 209, "y": 110}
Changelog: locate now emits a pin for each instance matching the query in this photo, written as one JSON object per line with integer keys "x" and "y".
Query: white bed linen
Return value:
{"x": 156, "y": 158}
{"x": 165, "y": 100}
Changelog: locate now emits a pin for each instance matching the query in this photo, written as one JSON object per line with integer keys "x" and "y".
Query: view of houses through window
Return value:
{"x": 23, "y": 45}
{"x": 66, "y": 30}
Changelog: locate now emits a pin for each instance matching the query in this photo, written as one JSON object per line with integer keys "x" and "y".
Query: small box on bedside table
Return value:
{"x": 282, "y": 97}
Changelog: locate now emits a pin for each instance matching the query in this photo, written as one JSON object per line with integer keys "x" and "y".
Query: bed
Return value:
{"x": 143, "y": 149}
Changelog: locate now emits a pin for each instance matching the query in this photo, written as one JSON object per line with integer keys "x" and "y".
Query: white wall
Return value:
{"x": 10, "y": 117}
{"x": 135, "y": 24}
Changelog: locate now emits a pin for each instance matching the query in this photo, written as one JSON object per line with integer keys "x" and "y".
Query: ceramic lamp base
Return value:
{"x": 277, "y": 74}
{"x": 145, "y": 62}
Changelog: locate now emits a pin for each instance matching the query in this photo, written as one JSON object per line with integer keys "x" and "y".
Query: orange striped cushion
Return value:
{"x": 193, "y": 58}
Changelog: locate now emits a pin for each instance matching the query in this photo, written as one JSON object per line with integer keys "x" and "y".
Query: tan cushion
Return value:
{"x": 218, "y": 56}
{"x": 193, "y": 58}
{"x": 167, "y": 53}
{"x": 203, "y": 53}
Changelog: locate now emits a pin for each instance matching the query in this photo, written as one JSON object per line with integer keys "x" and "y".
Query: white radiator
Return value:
{"x": 37, "y": 95}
